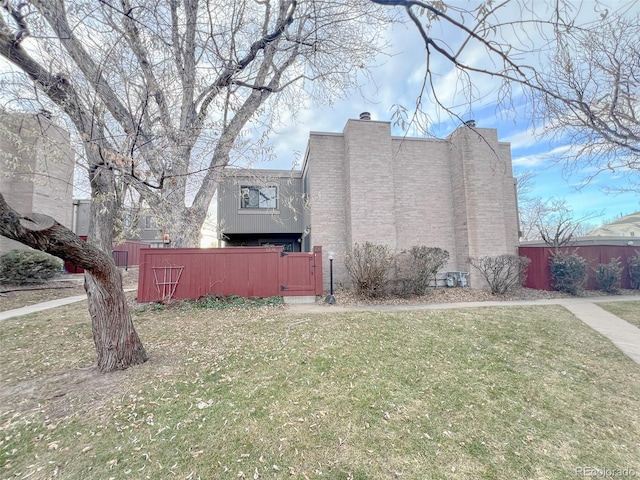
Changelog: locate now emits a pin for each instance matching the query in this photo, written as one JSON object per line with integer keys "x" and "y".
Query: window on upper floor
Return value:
{"x": 150, "y": 222}
{"x": 252, "y": 196}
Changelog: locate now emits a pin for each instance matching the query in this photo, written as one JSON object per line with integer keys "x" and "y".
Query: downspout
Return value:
{"x": 74, "y": 217}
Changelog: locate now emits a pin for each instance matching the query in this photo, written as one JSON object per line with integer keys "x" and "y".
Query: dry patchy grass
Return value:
{"x": 629, "y": 311}
{"x": 526, "y": 392}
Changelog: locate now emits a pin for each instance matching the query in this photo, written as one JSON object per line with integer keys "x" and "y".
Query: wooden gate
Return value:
{"x": 243, "y": 271}
{"x": 298, "y": 273}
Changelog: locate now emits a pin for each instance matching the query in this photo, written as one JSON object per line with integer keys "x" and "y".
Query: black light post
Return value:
{"x": 331, "y": 273}
{"x": 330, "y": 299}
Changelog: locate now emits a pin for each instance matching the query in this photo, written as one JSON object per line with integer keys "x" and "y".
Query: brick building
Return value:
{"x": 365, "y": 185}
{"x": 36, "y": 168}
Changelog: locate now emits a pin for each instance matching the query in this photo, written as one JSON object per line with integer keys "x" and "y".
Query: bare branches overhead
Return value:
{"x": 164, "y": 89}
{"x": 597, "y": 111}
{"x": 574, "y": 72}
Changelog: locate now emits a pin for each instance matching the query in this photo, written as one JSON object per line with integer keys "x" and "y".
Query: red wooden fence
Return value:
{"x": 126, "y": 255}
{"x": 539, "y": 273}
{"x": 181, "y": 273}
{"x": 132, "y": 248}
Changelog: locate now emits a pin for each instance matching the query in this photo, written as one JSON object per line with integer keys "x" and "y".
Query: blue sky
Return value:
{"x": 396, "y": 81}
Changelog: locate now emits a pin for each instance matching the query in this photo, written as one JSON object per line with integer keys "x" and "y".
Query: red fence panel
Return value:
{"x": 132, "y": 248}
{"x": 539, "y": 273}
{"x": 132, "y": 256}
{"x": 181, "y": 273}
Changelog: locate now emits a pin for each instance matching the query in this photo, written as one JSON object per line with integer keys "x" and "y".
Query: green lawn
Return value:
{"x": 629, "y": 311}
{"x": 487, "y": 393}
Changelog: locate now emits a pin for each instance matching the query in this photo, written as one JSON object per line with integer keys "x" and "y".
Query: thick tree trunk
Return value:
{"x": 184, "y": 227}
{"x": 117, "y": 343}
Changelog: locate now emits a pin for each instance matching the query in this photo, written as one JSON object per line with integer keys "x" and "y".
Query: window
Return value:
{"x": 150, "y": 223}
{"x": 258, "y": 197}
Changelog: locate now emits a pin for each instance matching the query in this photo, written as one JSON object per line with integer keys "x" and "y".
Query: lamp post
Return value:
{"x": 330, "y": 299}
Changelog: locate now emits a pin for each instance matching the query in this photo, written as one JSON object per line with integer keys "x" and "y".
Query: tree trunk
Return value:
{"x": 114, "y": 336}
{"x": 116, "y": 341}
{"x": 184, "y": 227}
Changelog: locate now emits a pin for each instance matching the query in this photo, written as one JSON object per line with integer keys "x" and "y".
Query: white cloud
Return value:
{"x": 522, "y": 139}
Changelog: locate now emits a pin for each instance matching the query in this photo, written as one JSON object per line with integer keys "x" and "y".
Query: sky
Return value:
{"x": 397, "y": 80}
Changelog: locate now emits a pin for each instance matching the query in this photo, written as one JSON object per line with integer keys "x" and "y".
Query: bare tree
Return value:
{"x": 578, "y": 72}
{"x": 549, "y": 219}
{"x": 558, "y": 226}
{"x": 169, "y": 87}
{"x": 159, "y": 93}
{"x": 530, "y": 207}
{"x": 117, "y": 343}
{"x": 496, "y": 41}
{"x": 594, "y": 74}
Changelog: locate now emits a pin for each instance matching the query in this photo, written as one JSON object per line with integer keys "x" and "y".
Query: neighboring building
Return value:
{"x": 262, "y": 208}
{"x": 36, "y": 168}
{"x": 365, "y": 185}
{"x": 623, "y": 231}
{"x": 145, "y": 230}
{"x": 627, "y": 226}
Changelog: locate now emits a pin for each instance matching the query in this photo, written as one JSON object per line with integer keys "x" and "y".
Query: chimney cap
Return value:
{"x": 470, "y": 123}
{"x": 365, "y": 116}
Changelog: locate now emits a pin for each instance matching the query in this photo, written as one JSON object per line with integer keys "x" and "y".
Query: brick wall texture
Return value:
{"x": 36, "y": 169}
{"x": 457, "y": 193}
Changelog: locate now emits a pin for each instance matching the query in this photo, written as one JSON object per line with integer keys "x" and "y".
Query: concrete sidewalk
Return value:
{"x": 622, "y": 334}
{"x": 39, "y": 307}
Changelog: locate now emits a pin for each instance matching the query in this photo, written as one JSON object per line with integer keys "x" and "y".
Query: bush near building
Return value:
{"x": 502, "y": 272}
{"x": 634, "y": 270}
{"x": 414, "y": 270}
{"x": 609, "y": 275}
{"x": 22, "y": 267}
{"x": 569, "y": 272}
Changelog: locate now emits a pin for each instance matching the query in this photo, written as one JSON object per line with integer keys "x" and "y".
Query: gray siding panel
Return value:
{"x": 286, "y": 218}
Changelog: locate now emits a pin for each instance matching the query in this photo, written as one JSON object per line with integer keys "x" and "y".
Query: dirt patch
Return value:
{"x": 80, "y": 391}
{"x": 58, "y": 396}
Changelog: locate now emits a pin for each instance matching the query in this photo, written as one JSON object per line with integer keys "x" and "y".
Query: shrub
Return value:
{"x": 368, "y": 267}
{"x": 634, "y": 270}
{"x": 222, "y": 302}
{"x": 609, "y": 275}
{"x": 569, "y": 272}
{"x": 502, "y": 272}
{"x": 28, "y": 266}
{"x": 415, "y": 269}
